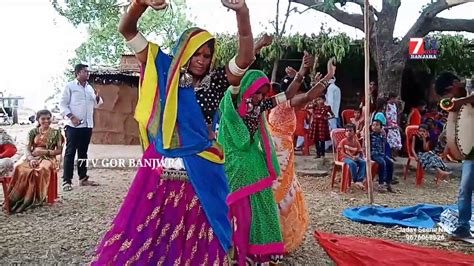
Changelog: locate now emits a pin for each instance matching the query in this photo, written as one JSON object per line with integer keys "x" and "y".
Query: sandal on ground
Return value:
{"x": 89, "y": 183}
{"x": 67, "y": 187}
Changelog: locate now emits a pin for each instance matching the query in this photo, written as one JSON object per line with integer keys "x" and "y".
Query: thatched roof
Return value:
{"x": 113, "y": 71}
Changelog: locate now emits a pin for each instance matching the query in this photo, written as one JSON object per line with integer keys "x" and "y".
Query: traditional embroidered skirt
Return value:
{"x": 161, "y": 222}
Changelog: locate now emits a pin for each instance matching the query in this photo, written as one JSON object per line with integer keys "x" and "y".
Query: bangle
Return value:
{"x": 298, "y": 77}
{"x": 138, "y": 43}
{"x": 235, "y": 69}
{"x": 234, "y": 90}
{"x": 280, "y": 98}
{"x": 323, "y": 82}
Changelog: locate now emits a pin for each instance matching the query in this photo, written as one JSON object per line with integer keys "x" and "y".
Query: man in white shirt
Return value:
{"x": 333, "y": 99}
{"x": 78, "y": 102}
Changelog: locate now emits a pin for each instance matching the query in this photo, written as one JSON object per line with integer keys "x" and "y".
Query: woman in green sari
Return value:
{"x": 251, "y": 167}
{"x": 31, "y": 178}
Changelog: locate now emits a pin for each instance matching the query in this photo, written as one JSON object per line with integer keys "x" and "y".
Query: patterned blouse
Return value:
{"x": 253, "y": 113}
{"x": 211, "y": 92}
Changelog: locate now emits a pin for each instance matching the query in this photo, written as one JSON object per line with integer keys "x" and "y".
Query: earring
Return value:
{"x": 185, "y": 79}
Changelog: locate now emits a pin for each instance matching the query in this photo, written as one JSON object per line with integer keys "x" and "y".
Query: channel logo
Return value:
{"x": 423, "y": 48}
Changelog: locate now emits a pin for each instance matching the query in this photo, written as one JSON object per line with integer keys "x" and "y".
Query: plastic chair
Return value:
{"x": 346, "y": 115}
{"x": 308, "y": 142}
{"x": 5, "y": 181}
{"x": 411, "y": 131}
{"x": 337, "y": 135}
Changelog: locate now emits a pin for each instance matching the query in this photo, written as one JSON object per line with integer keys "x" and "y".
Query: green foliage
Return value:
{"x": 105, "y": 45}
{"x": 456, "y": 53}
{"x": 324, "y": 45}
{"x": 227, "y": 46}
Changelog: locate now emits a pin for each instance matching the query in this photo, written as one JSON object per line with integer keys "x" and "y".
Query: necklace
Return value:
{"x": 43, "y": 134}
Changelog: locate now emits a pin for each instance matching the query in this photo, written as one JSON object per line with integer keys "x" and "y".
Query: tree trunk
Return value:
{"x": 275, "y": 69}
{"x": 389, "y": 79}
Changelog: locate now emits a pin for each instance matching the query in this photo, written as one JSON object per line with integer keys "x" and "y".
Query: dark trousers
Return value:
{"x": 320, "y": 148}
{"x": 76, "y": 139}
{"x": 385, "y": 169}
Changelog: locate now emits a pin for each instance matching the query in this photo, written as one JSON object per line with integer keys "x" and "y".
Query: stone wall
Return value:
{"x": 113, "y": 120}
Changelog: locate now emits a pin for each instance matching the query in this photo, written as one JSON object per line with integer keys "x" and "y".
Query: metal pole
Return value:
{"x": 367, "y": 102}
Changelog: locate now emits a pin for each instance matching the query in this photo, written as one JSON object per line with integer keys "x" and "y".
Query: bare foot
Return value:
{"x": 359, "y": 185}
{"x": 442, "y": 175}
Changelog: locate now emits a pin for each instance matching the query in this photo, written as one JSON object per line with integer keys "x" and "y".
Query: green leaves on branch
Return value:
{"x": 324, "y": 45}
{"x": 456, "y": 53}
{"x": 105, "y": 45}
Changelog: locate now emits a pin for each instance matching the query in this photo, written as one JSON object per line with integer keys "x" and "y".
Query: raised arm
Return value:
{"x": 128, "y": 26}
{"x": 236, "y": 68}
{"x": 318, "y": 88}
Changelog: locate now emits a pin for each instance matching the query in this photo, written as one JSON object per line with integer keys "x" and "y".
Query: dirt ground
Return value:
{"x": 68, "y": 231}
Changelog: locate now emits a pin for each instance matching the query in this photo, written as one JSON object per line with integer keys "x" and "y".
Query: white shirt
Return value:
{"x": 333, "y": 98}
{"x": 79, "y": 101}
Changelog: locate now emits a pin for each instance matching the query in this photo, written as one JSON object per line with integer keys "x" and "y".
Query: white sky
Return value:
{"x": 40, "y": 42}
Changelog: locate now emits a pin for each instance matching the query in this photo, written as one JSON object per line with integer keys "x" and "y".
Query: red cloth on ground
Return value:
{"x": 7, "y": 150}
{"x": 348, "y": 250}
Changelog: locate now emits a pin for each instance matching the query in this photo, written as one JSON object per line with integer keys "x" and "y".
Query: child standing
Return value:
{"x": 394, "y": 138}
{"x": 349, "y": 151}
{"x": 358, "y": 121}
{"x": 320, "y": 125}
{"x": 377, "y": 151}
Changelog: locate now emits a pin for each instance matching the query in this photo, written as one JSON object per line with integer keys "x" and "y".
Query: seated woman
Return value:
{"x": 31, "y": 178}
{"x": 7, "y": 150}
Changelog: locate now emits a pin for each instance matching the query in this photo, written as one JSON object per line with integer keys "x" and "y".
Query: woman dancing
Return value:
{"x": 177, "y": 214}
{"x": 287, "y": 190}
{"x": 251, "y": 166}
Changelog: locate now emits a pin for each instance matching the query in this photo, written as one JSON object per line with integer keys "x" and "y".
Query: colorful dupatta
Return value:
{"x": 170, "y": 118}
{"x": 251, "y": 166}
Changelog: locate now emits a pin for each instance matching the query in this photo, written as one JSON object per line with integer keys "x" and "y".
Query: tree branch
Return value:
{"x": 428, "y": 14}
{"x": 428, "y": 22}
{"x": 287, "y": 15}
{"x": 362, "y": 4}
{"x": 444, "y": 24}
{"x": 353, "y": 20}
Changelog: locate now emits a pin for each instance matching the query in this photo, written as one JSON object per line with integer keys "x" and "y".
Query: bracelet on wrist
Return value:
{"x": 446, "y": 104}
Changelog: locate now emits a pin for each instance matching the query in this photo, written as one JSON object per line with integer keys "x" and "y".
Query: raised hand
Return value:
{"x": 290, "y": 71}
{"x": 307, "y": 64}
{"x": 265, "y": 40}
{"x": 331, "y": 67}
{"x": 155, "y": 4}
{"x": 233, "y": 4}
{"x": 317, "y": 77}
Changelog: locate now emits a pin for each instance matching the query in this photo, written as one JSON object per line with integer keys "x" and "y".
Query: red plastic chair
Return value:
{"x": 308, "y": 142}
{"x": 337, "y": 135}
{"x": 5, "y": 180}
{"x": 411, "y": 131}
{"x": 346, "y": 115}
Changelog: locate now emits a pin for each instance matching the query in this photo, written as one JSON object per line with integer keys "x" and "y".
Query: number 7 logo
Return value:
{"x": 416, "y": 46}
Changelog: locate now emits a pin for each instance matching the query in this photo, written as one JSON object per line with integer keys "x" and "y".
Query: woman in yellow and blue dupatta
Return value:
{"x": 177, "y": 214}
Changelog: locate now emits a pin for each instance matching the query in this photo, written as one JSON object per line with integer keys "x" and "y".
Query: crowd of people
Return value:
{"x": 214, "y": 208}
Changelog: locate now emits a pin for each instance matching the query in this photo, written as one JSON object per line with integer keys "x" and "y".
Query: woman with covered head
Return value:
{"x": 252, "y": 166}
{"x": 30, "y": 182}
{"x": 177, "y": 214}
{"x": 287, "y": 190}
